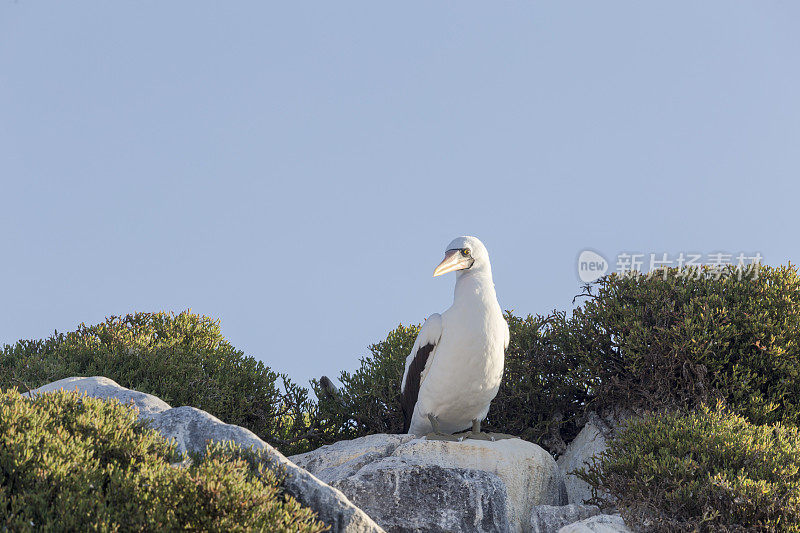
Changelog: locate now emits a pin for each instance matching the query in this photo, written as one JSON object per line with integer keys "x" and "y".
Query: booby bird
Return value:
{"x": 454, "y": 369}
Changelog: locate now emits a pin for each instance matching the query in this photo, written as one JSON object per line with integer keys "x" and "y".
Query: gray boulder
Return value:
{"x": 413, "y": 484}
{"x": 407, "y": 497}
{"x": 101, "y": 387}
{"x": 589, "y": 443}
{"x": 603, "y": 523}
{"x": 551, "y": 518}
{"x": 192, "y": 429}
{"x": 342, "y": 459}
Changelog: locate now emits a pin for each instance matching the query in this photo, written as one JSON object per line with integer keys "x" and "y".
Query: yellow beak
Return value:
{"x": 452, "y": 261}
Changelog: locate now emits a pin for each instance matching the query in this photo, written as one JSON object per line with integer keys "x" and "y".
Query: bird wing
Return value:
{"x": 417, "y": 364}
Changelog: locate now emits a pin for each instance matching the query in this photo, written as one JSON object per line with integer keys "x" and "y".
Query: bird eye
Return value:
{"x": 465, "y": 252}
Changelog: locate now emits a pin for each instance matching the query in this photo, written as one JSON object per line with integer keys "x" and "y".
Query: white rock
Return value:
{"x": 589, "y": 443}
{"x": 551, "y": 518}
{"x": 603, "y": 523}
{"x": 404, "y": 497}
{"x": 342, "y": 459}
{"x": 527, "y": 473}
{"x": 102, "y": 387}
{"x": 193, "y": 428}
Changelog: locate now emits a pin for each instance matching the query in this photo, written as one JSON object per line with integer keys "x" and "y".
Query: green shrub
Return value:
{"x": 74, "y": 463}
{"x": 183, "y": 359}
{"x": 656, "y": 343}
{"x": 707, "y": 471}
{"x": 369, "y": 400}
{"x": 545, "y": 385}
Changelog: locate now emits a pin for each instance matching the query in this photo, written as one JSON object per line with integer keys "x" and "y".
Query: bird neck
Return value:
{"x": 475, "y": 287}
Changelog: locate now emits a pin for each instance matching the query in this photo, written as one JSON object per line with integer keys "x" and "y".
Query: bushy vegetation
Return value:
{"x": 73, "y": 463}
{"x": 369, "y": 400}
{"x": 710, "y": 470}
{"x": 183, "y": 359}
{"x": 680, "y": 341}
{"x": 546, "y": 384}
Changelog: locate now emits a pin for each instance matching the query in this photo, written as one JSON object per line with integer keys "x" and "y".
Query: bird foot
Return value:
{"x": 435, "y": 435}
{"x": 478, "y": 435}
{"x": 502, "y": 436}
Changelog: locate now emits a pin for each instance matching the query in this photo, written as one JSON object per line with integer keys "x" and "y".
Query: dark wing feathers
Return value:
{"x": 410, "y": 392}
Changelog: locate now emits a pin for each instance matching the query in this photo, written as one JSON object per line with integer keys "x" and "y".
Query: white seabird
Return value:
{"x": 454, "y": 370}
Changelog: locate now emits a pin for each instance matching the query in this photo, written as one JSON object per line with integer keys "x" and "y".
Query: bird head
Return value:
{"x": 463, "y": 253}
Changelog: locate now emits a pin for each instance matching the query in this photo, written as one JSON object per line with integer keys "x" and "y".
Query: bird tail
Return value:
{"x": 330, "y": 390}
{"x": 406, "y": 419}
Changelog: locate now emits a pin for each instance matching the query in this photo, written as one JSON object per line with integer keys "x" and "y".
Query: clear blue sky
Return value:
{"x": 296, "y": 169}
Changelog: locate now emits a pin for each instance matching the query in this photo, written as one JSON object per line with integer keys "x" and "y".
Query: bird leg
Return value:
{"x": 437, "y": 434}
{"x": 477, "y": 434}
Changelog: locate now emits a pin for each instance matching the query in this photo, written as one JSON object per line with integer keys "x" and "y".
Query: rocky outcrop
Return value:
{"x": 589, "y": 443}
{"x": 409, "y": 497}
{"x": 402, "y": 482}
{"x": 104, "y": 388}
{"x": 551, "y": 518}
{"x": 581, "y": 452}
{"x": 192, "y": 429}
{"x": 412, "y": 484}
{"x": 603, "y": 523}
